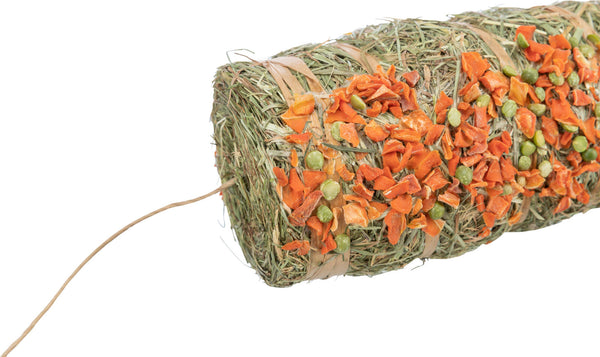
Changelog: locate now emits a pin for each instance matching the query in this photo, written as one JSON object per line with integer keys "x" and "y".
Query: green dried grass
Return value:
{"x": 249, "y": 137}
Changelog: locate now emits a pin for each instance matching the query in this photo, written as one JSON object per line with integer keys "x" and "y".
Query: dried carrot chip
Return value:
{"x": 450, "y": 199}
{"x": 402, "y": 204}
{"x": 302, "y": 213}
{"x": 376, "y": 132}
{"x": 313, "y": 178}
{"x": 294, "y": 158}
{"x": 433, "y": 134}
{"x": 474, "y": 65}
{"x": 348, "y": 133}
{"x": 294, "y": 121}
{"x": 315, "y": 224}
{"x": 526, "y": 121}
{"x": 343, "y": 171}
{"x": 303, "y": 246}
{"x": 282, "y": 178}
{"x": 383, "y": 183}
{"x": 370, "y": 173}
{"x": 355, "y": 214}
{"x": 396, "y": 225}
{"x": 433, "y": 227}
{"x": 303, "y": 104}
{"x": 298, "y": 138}
{"x": 411, "y": 78}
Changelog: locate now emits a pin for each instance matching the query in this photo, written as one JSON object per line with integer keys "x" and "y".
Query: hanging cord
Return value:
{"x": 223, "y": 187}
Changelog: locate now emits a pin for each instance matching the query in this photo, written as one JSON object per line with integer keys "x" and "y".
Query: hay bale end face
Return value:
{"x": 492, "y": 115}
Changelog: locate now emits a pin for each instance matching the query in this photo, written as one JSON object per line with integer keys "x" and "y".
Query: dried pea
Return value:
{"x": 527, "y": 148}
{"x": 530, "y": 75}
{"x": 454, "y": 117}
{"x": 437, "y": 211}
{"x": 575, "y": 39}
{"x": 464, "y": 174}
{"x": 573, "y": 79}
{"x": 483, "y": 100}
{"x": 522, "y": 41}
{"x": 314, "y": 160}
{"x": 509, "y": 71}
{"x": 324, "y": 214}
{"x": 556, "y": 79}
{"x": 589, "y": 155}
{"x": 580, "y": 143}
{"x": 545, "y": 168}
{"x": 524, "y": 163}
{"x": 570, "y": 128}
{"x": 537, "y": 108}
{"x": 540, "y": 93}
{"x": 335, "y": 131}
{"x": 357, "y": 102}
{"x": 538, "y": 139}
{"x": 342, "y": 242}
{"x": 331, "y": 189}
{"x": 509, "y": 108}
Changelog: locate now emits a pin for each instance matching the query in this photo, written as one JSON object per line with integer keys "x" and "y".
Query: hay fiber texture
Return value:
{"x": 250, "y": 136}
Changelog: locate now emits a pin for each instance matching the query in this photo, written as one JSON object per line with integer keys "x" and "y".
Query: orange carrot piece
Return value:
{"x": 494, "y": 174}
{"x": 282, "y": 178}
{"x": 351, "y": 114}
{"x": 418, "y": 222}
{"x": 499, "y": 206}
{"x": 295, "y": 182}
{"x": 418, "y": 121}
{"x": 343, "y": 171}
{"x": 376, "y": 132}
{"x": 441, "y": 106}
{"x": 355, "y": 214}
{"x": 298, "y": 138}
{"x": 396, "y": 225}
{"x": 303, "y": 104}
{"x": 313, "y": 178}
{"x": 433, "y": 134}
{"x": 515, "y": 218}
{"x": 489, "y": 219}
{"x": 450, "y": 199}
{"x": 313, "y": 223}
{"x": 293, "y": 199}
{"x": 406, "y": 135}
{"x": 474, "y": 65}
{"x": 518, "y": 91}
{"x": 303, "y": 246}
{"x": 348, "y": 133}
{"x": 302, "y": 213}
{"x": 431, "y": 160}
{"x": 526, "y": 121}
{"x": 580, "y": 98}
{"x": 433, "y": 227}
{"x": 294, "y": 121}
{"x": 370, "y": 173}
{"x": 559, "y": 41}
{"x": 411, "y": 78}
{"x": 435, "y": 180}
{"x": 358, "y": 199}
{"x": 391, "y": 162}
{"x": 383, "y": 183}
{"x": 588, "y": 127}
{"x": 381, "y": 207}
{"x": 563, "y": 205}
{"x": 294, "y": 158}
{"x": 392, "y": 146}
{"x": 402, "y": 204}
{"x": 470, "y": 92}
{"x": 375, "y": 109}
{"x": 363, "y": 191}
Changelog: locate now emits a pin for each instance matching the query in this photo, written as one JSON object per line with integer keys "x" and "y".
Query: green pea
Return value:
{"x": 537, "y": 108}
{"x": 464, "y": 174}
{"x": 580, "y": 143}
{"x": 556, "y": 79}
{"x": 593, "y": 38}
{"x": 324, "y": 214}
{"x": 343, "y": 243}
{"x": 597, "y": 110}
{"x": 521, "y": 180}
{"x": 540, "y": 93}
{"x": 589, "y": 155}
{"x": 509, "y": 71}
{"x": 524, "y": 163}
{"x": 483, "y": 100}
{"x": 357, "y": 102}
{"x": 314, "y": 160}
{"x": 576, "y": 37}
{"x": 573, "y": 79}
{"x": 437, "y": 211}
{"x": 335, "y": 131}
{"x": 331, "y": 189}
{"x": 454, "y": 117}
{"x": 586, "y": 50}
{"x": 530, "y": 75}
{"x": 509, "y": 108}
{"x": 570, "y": 128}
{"x": 545, "y": 168}
{"x": 507, "y": 189}
{"x": 538, "y": 139}
{"x": 527, "y": 148}
{"x": 522, "y": 41}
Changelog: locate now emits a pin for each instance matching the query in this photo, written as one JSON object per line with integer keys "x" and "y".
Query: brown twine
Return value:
{"x": 319, "y": 266}
{"x": 222, "y": 188}
{"x": 368, "y": 62}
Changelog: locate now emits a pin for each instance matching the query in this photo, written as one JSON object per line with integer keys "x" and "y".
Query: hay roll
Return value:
{"x": 441, "y": 63}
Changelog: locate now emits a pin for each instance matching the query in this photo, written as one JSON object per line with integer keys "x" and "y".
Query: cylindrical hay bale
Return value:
{"x": 440, "y": 135}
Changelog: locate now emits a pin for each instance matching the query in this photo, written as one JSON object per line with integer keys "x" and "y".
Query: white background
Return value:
{"x": 104, "y": 116}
